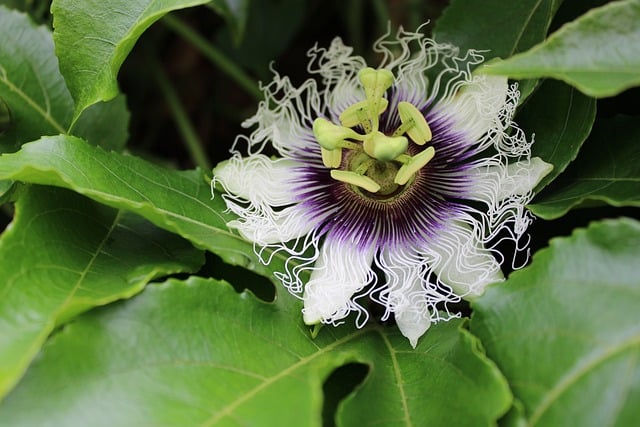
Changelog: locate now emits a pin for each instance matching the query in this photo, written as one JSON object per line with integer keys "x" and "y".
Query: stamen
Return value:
{"x": 412, "y": 166}
{"x": 363, "y": 167}
{"x": 413, "y": 123}
{"x": 356, "y": 179}
{"x": 385, "y": 148}
{"x": 359, "y": 114}
{"x": 331, "y": 158}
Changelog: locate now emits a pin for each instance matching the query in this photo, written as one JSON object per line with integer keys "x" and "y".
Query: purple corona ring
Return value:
{"x": 390, "y": 185}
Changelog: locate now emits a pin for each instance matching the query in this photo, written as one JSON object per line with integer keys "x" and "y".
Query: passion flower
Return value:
{"x": 391, "y": 184}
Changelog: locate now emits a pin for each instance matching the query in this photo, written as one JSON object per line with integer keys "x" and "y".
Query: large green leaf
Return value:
{"x": 179, "y": 201}
{"x": 607, "y": 170}
{"x": 30, "y": 82}
{"x": 565, "y": 331}
{"x": 64, "y": 254}
{"x": 503, "y": 28}
{"x": 93, "y": 38}
{"x": 105, "y": 124}
{"x": 560, "y": 127}
{"x": 35, "y": 93}
{"x": 196, "y": 353}
{"x": 599, "y": 53}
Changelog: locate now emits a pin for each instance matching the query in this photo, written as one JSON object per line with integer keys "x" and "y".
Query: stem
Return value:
{"x": 216, "y": 56}
{"x": 382, "y": 14}
{"x": 194, "y": 146}
{"x": 354, "y": 24}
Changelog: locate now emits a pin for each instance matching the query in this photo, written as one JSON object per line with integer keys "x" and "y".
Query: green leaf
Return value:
{"x": 561, "y": 118}
{"x": 94, "y": 37}
{"x": 261, "y": 44}
{"x": 503, "y": 28}
{"x": 565, "y": 331}
{"x": 235, "y": 13}
{"x": 441, "y": 383}
{"x": 179, "y": 201}
{"x": 64, "y": 254}
{"x": 30, "y": 82}
{"x": 197, "y": 353}
{"x": 607, "y": 170}
{"x": 105, "y": 124}
{"x": 598, "y": 53}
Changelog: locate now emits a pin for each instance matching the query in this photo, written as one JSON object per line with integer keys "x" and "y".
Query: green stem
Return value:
{"x": 194, "y": 146}
{"x": 354, "y": 24}
{"x": 382, "y": 14}
{"x": 216, "y": 56}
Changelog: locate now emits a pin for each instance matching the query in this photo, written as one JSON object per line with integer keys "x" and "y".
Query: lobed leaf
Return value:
{"x": 502, "y": 28}
{"x": 598, "y": 53}
{"x": 64, "y": 254}
{"x": 93, "y": 38}
{"x": 607, "y": 170}
{"x": 105, "y": 124}
{"x": 36, "y": 96}
{"x": 559, "y": 127}
{"x": 197, "y": 353}
{"x": 178, "y": 201}
{"x": 565, "y": 331}
{"x": 30, "y": 83}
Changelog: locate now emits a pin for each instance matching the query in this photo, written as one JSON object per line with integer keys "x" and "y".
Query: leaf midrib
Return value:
{"x": 577, "y": 373}
{"x": 228, "y": 409}
{"x": 31, "y": 102}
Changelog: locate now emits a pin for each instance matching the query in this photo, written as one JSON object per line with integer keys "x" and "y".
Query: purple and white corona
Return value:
{"x": 388, "y": 185}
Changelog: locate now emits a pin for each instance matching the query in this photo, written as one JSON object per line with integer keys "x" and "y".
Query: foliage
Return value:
{"x": 126, "y": 300}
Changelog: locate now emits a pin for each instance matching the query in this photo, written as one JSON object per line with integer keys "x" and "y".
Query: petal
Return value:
{"x": 284, "y": 118}
{"x": 258, "y": 179}
{"x": 341, "y": 271}
{"x": 496, "y": 183}
{"x": 406, "y": 297}
{"x": 477, "y": 107}
{"x": 461, "y": 261}
{"x": 267, "y": 227}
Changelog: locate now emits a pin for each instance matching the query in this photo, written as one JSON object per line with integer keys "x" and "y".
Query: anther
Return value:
{"x": 331, "y": 158}
{"x": 360, "y": 114}
{"x": 413, "y": 123}
{"x": 417, "y": 162}
{"x": 356, "y": 179}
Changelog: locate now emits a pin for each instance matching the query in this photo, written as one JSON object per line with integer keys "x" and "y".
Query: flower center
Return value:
{"x": 376, "y": 162}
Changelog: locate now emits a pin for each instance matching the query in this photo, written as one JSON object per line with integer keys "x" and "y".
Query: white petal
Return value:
{"x": 341, "y": 271}
{"x": 496, "y": 183}
{"x": 266, "y": 226}
{"x": 461, "y": 261}
{"x": 478, "y": 106}
{"x": 258, "y": 179}
{"x": 406, "y": 297}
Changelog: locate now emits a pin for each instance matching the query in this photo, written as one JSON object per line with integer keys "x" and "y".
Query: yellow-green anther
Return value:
{"x": 356, "y": 179}
{"x": 331, "y": 158}
{"x": 384, "y": 148}
{"x": 413, "y": 123}
{"x": 375, "y": 82}
{"x": 359, "y": 114}
{"x": 416, "y": 163}
{"x": 330, "y": 136}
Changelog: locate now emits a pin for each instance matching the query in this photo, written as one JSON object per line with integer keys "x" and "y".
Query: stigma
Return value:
{"x": 373, "y": 155}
